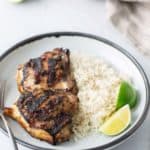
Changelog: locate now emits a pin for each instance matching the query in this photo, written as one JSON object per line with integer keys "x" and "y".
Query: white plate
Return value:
{"x": 90, "y": 45}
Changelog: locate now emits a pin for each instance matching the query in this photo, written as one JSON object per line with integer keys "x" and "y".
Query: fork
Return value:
{"x": 2, "y": 96}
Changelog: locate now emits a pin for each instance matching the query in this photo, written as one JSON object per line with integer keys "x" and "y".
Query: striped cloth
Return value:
{"x": 132, "y": 18}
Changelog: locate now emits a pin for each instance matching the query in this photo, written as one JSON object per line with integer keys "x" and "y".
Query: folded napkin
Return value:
{"x": 132, "y": 17}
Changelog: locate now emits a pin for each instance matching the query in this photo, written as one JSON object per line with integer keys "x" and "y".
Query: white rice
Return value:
{"x": 98, "y": 85}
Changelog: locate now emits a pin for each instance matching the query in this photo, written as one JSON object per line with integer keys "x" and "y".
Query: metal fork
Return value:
{"x": 2, "y": 96}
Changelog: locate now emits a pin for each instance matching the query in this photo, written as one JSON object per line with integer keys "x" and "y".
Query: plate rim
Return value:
{"x": 107, "y": 42}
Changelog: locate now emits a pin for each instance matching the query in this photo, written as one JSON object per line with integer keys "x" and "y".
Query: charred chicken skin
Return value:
{"x": 48, "y": 97}
{"x": 51, "y": 71}
{"x": 50, "y": 111}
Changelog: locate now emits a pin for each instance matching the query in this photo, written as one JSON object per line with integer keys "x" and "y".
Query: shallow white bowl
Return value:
{"x": 90, "y": 45}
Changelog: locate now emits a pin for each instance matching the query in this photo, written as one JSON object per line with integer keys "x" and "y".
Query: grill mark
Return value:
{"x": 51, "y": 71}
{"x": 44, "y": 114}
{"x": 37, "y": 67}
{"x": 20, "y": 104}
{"x": 60, "y": 121}
{"x": 43, "y": 73}
{"x": 22, "y": 98}
{"x": 65, "y": 65}
{"x": 34, "y": 104}
{"x": 28, "y": 104}
{"x": 52, "y": 64}
{"x": 54, "y": 103}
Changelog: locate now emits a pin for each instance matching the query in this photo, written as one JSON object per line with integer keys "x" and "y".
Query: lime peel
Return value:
{"x": 126, "y": 95}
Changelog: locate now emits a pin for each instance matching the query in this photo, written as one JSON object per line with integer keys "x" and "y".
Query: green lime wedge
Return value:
{"x": 126, "y": 95}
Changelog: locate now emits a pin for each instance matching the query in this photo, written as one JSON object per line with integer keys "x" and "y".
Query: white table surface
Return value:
{"x": 18, "y": 22}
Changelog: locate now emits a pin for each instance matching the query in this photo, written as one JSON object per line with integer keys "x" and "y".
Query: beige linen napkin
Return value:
{"x": 132, "y": 17}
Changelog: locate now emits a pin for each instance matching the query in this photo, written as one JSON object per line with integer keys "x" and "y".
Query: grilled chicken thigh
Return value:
{"x": 50, "y": 112}
{"x": 48, "y": 97}
{"x": 50, "y": 71}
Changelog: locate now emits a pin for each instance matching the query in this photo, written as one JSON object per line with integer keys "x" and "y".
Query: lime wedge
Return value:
{"x": 16, "y": 1}
{"x": 126, "y": 95}
{"x": 118, "y": 122}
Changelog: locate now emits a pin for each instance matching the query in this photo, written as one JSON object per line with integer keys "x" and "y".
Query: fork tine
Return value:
{"x": 0, "y": 93}
{"x": 3, "y": 94}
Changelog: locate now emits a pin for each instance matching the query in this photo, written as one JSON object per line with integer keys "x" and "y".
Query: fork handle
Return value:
{"x": 11, "y": 136}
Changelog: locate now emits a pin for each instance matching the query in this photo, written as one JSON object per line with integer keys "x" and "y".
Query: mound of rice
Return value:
{"x": 98, "y": 85}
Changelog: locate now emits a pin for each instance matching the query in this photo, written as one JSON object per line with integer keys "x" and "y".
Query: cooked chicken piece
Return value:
{"x": 51, "y": 71}
{"x": 48, "y": 97}
{"x": 46, "y": 116}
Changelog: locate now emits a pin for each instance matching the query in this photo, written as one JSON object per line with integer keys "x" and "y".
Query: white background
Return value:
{"x": 18, "y": 22}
